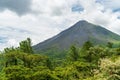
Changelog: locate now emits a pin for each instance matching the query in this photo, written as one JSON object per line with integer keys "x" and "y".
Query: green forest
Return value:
{"x": 89, "y": 62}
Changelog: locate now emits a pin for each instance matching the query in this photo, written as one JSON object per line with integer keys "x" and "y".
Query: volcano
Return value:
{"x": 77, "y": 34}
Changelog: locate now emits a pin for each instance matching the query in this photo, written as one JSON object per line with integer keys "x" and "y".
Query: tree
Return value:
{"x": 26, "y": 46}
{"x": 110, "y": 69}
{"x": 11, "y": 58}
{"x": 84, "y": 51}
{"x": 49, "y": 64}
{"x": 18, "y": 73}
{"x": 8, "y": 50}
{"x": 110, "y": 44}
{"x": 74, "y": 54}
{"x": 87, "y": 45}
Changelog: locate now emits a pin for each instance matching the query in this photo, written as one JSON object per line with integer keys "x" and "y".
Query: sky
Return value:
{"x": 42, "y": 19}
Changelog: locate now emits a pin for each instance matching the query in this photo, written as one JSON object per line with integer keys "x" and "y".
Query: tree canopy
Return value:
{"x": 86, "y": 63}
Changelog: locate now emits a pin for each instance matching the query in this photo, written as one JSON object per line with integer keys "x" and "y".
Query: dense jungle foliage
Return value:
{"x": 86, "y": 63}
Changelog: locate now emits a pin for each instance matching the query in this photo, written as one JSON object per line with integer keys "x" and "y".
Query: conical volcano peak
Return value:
{"x": 82, "y": 22}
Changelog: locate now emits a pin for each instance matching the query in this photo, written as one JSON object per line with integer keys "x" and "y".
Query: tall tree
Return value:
{"x": 84, "y": 50}
{"x": 74, "y": 54}
{"x": 110, "y": 44}
{"x": 26, "y": 46}
{"x": 87, "y": 45}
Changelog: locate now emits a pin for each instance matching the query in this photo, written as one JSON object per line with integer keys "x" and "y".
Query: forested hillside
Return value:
{"x": 88, "y": 62}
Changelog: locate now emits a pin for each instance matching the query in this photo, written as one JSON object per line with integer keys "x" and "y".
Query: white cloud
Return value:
{"x": 110, "y": 4}
{"x": 12, "y": 42}
{"x": 49, "y": 17}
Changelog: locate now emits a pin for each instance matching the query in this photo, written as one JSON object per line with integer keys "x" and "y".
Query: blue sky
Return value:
{"x": 42, "y": 19}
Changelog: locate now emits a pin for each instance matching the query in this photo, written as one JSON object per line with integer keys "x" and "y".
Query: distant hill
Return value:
{"x": 77, "y": 34}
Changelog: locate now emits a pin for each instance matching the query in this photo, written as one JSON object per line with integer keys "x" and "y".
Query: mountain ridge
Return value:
{"x": 77, "y": 34}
